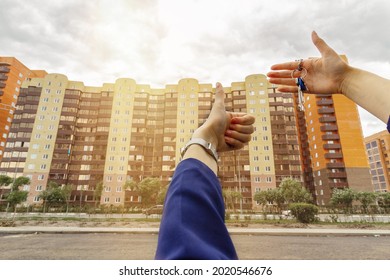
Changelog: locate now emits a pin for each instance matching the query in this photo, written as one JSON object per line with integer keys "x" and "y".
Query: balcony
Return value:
{"x": 301, "y": 122}
{"x": 335, "y": 165}
{"x": 325, "y": 102}
{"x": 326, "y": 110}
{"x": 4, "y": 69}
{"x": 327, "y": 119}
{"x": 1, "y": 93}
{"x": 331, "y": 146}
{"x": 3, "y": 77}
{"x": 2, "y": 85}
{"x": 330, "y": 137}
{"x": 333, "y": 155}
{"x": 281, "y": 151}
{"x": 329, "y": 127}
{"x": 337, "y": 175}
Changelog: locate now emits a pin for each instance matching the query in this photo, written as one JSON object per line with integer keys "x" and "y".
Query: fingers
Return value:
{"x": 286, "y": 82}
{"x": 246, "y": 129}
{"x": 242, "y": 118}
{"x": 288, "y": 88}
{"x": 285, "y": 66}
{"x": 234, "y": 144}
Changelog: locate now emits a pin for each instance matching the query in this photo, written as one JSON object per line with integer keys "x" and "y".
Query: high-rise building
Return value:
{"x": 69, "y": 133}
{"x": 378, "y": 152}
{"x": 334, "y": 146}
{"x": 12, "y": 74}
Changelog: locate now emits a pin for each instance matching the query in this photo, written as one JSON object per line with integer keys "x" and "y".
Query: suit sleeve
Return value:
{"x": 192, "y": 225}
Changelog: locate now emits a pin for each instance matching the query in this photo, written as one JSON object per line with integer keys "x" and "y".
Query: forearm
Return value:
{"x": 369, "y": 91}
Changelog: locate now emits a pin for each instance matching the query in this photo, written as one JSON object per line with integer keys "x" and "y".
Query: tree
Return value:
{"x": 67, "y": 191}
{"x": 304, "y": 212}
{"x": 16, "y": 197}
{"x": 343, "y": 198}
{"x": 294, "y": 192}
{"x": 230, "y": 198}
{"x": 20, "y": 181}
{"x": 384, "y": 200}
{"x": 366, "y": 199}
{"x": 5, "y": 180}
{"x": 55, "y": 195}
{"x": 162, "y": 194}
{"x": 261, "y": 198}
{"x": 266, "y": 197}
{"x": 149, "y": 188}
{"x": 97, "y": 192}
{"x": 130, "y": 185}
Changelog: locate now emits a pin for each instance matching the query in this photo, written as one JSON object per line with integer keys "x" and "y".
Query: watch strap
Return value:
{"x": 210, "y": 149}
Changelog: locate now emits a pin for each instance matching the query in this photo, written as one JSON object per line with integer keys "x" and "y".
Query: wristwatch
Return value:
{"x": 210, "y": 149}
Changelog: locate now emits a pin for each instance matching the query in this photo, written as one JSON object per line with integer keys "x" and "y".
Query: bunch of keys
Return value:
{"x": 301, "y": 85}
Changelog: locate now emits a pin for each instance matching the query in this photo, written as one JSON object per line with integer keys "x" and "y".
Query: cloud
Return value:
{"x": 160, "y": 42}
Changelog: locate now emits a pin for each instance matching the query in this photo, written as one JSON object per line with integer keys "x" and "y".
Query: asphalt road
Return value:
{"x": 110, "y": 246}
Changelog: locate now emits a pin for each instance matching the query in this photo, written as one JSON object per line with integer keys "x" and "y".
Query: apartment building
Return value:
{"x": 12, "y": 74}
{"x": 378, "y": 153}
{"x": 335, "y": 146}
{"x": 69, "y": 133}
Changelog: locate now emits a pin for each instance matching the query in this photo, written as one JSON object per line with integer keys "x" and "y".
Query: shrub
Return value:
{"x": 304, "y": 212}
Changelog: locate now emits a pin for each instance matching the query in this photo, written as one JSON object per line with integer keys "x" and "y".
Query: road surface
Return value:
{"x": 126, "y": 246}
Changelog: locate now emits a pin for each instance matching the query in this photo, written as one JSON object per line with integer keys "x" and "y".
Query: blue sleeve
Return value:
{"x": 388, "y": 125}
{"x": 193, "y": 222}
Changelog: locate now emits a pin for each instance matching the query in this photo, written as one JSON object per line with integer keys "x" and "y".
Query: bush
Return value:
{"x": 304, "y": 212}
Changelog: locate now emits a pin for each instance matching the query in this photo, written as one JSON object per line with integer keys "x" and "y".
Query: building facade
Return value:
{"x": 69, "y": 133}
{"x": 378, "y": 153}
{"x": 335, "y": 146}
{"x": 12, "y": 74}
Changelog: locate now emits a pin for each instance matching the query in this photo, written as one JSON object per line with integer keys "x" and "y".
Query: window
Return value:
{"x": 41, "y": 177}
{"x": 106, "y": 199}
{"x": 268, "y": 168}
{"x": 117, "y": 199}
{"x": 38, "y": 188}
{"x": 37, "y": 198}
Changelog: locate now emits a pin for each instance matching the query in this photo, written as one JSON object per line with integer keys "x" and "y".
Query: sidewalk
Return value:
{"x": 233, "y": 231}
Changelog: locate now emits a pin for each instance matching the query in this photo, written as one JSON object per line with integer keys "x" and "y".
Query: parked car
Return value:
{"x": 157, "y": 209}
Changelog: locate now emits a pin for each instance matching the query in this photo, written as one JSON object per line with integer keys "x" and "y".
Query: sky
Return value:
{"x": 160, "y": 42}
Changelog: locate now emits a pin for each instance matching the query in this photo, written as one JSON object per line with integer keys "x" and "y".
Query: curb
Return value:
{"x": 232, "y": 231}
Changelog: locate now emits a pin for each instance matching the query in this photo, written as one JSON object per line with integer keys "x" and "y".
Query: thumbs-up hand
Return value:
{"x": 225, "y": 130}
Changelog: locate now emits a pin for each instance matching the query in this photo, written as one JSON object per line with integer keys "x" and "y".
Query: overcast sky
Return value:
{"x": 161, "y": 42}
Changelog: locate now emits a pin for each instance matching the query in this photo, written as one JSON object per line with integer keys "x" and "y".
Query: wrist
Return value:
{"x": 206, "y": 134}
{"x": 349, "y": 76}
